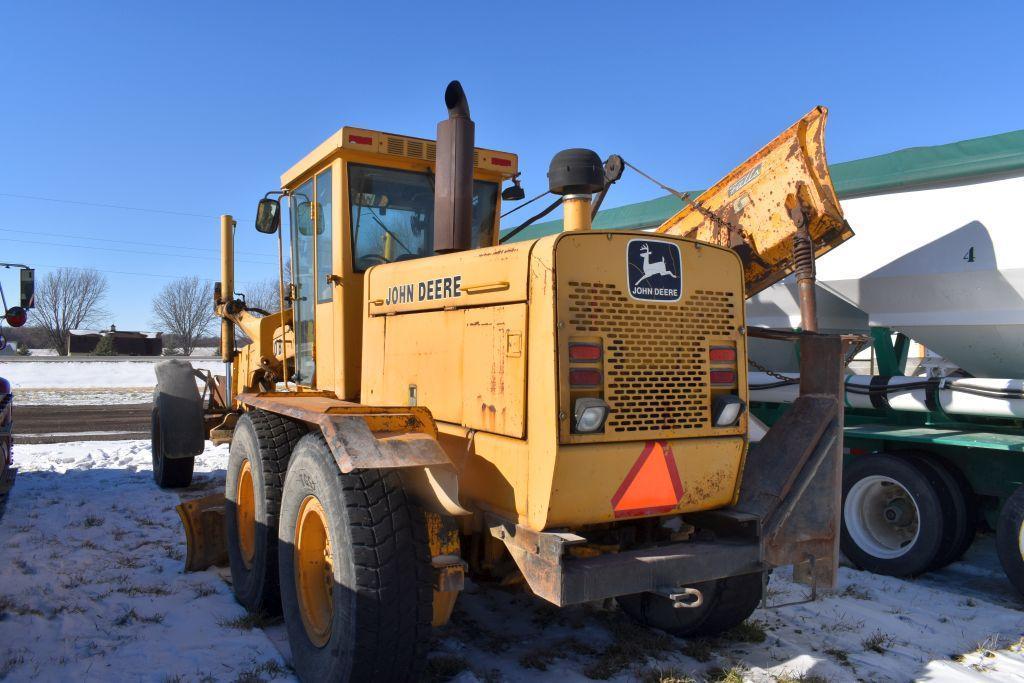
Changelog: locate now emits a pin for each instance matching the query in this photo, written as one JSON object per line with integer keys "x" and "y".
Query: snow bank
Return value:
{"x": 28, "y": 374}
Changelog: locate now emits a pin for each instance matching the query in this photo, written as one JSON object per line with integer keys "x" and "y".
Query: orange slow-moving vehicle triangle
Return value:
{"x": 652, "y": 484}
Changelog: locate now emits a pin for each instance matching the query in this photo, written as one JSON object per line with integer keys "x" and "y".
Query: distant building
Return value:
{"x": 126, "y": 343}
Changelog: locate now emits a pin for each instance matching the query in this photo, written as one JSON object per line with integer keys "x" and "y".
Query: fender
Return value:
{"x": 373, "y": 437}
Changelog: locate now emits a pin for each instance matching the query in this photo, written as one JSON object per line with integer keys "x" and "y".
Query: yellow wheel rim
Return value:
{"x": 245, "y": 514}
{"x": 314, "y": 571}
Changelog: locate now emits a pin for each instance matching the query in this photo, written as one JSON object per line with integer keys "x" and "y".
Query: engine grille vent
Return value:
{"x": 655, "y": 355}
{"x": 417, "y": 149}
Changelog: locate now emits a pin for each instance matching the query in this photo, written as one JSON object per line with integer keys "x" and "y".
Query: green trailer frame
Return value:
{"x": 988, "y": 451}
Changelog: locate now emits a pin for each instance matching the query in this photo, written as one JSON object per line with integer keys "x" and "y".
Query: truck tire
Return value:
{"x": 727, "y": 603}
{"x": 260, "y": 448}
{"x": 168, "y": 473}
{"x": 893, "y": 519}
{"x": 177, "y": 430}
{"x": 356, "y": 581}
{"x": 1010, "y": 538}
{"x": 961, "y": 512}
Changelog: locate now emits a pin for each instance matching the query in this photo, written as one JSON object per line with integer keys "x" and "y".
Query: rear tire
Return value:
{"x": 893, "y": 519}
{"x": 356, "y": 583}
{"x": 727, "y": 603}
{"x": 261, "y": 446}
{"x": 1010, "y": 538}
{"x": 961, "y": 513}
{"x": 168, "y": 473}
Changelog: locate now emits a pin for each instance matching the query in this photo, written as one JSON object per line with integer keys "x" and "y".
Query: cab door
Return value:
{"x": 312, "y": 261}
{"x": 324, "y": 349}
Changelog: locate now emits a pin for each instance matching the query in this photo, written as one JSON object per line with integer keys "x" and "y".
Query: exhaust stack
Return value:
{"x": 453, "y": 182}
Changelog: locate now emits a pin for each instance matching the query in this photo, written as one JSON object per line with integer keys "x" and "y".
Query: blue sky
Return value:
{"x": 194, "y": 109}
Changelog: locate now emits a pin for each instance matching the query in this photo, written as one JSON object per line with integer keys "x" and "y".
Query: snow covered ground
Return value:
{"x": 91, "y": 581}
{"x": 88, "y": 381}
{"x": 92, "y": 588}
{"x": 77, "y": 374}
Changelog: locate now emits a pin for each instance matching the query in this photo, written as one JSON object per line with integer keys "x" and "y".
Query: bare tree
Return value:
{"x": 184, "y": 309}
{"x": 67, "y": 299}
{"x": 263, "y": 295}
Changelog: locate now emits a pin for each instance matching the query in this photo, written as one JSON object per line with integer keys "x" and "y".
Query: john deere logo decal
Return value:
{"x": 653, "y": 270}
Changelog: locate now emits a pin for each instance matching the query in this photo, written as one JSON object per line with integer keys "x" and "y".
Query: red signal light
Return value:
{"x": 360, "y": 139}
{"x": 16, "y": 316}
{"x": 721, "y": 354}
{"x": 584, "y": 352}
{"x": 723, "y": 377}
{"x": 497, "y": 161}
{"x": 584, "y": 377}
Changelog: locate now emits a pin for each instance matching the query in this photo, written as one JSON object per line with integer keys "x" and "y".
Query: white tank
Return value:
{"x": 944, "y": 266}
{"x": 778, "y": 307}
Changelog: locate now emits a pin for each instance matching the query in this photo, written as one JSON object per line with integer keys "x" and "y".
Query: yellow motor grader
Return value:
{"x": 569, "y": 411}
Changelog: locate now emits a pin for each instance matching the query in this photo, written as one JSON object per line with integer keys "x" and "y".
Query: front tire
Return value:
{"x": 727, "y": 603}
{"x": 260, "y": 448}
{"x": 1010, "y": 538}
{"x": 168, "y": 473}
{"x": 355, "y": 571}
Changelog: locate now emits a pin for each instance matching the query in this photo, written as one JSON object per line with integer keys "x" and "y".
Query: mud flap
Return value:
{"x": 206, "y": 539}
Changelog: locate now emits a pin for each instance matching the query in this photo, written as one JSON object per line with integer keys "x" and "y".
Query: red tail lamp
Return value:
{"x": 16, "y": 316}
{"x": 723, "y": 377}
{"x": 722, "y": 354}
{"x": 584, "y": 352}
{"x": 584, "y": 377}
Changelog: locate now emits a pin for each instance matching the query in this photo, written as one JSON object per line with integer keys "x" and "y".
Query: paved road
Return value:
{"x": 53, "y": 423}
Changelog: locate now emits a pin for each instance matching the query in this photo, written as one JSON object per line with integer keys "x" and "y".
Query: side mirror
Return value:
{"x": 268, "y": 216}
{"x": 28, "y": 288}
{"x": 515, "y": 193}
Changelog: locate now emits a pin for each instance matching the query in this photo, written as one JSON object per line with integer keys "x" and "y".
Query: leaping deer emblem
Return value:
{"x": 656, "y": 268}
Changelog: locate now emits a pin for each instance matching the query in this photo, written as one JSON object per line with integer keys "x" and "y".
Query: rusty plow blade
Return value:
{"x": 203, "y": 519}
{"x": 757, "y": 209}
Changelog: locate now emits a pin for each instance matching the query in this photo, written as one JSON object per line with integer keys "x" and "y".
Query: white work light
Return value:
{"x": 726, "y": 410}
{"x": 589, "y": 415}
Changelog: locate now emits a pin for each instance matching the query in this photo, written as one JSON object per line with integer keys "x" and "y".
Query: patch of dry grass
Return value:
{"x": 131, "y": 616}
{"x": 878, "y": 642}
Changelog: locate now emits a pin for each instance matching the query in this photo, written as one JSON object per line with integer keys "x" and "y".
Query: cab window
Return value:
{"x": 324, "y": 231}
{"x": 393, "y": 214}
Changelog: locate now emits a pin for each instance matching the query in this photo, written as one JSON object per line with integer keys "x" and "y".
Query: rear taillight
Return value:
{"x": 584, "y": 377}
{"x": 587, "y": 408}
{"x": 722, "y": 354}
{"x": 584, "y": 352}
{"x": 723, "y": 375}
{"x": 720, "y": 377}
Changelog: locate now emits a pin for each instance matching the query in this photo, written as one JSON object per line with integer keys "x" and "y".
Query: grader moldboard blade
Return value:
{"x": 203, "y": 519}
{"x": 741, "y": 211}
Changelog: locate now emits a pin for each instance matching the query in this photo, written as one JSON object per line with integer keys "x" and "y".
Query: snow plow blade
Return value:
{"x": 741, "y": 211}
{"x": 203, "y": 519}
